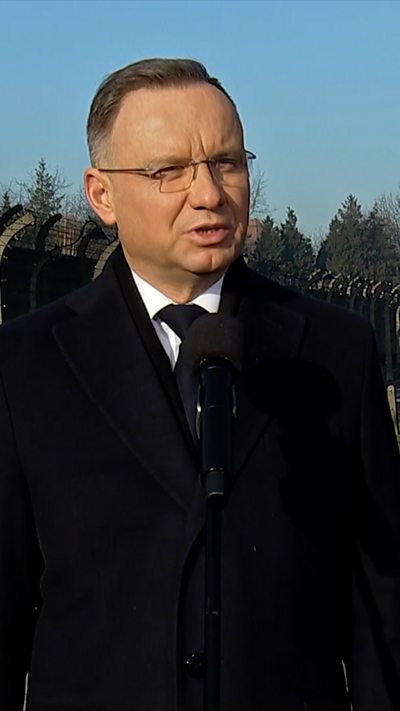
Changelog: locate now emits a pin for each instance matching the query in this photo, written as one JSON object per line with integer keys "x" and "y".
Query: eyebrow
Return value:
{"x": 164, "y": 159}
{"x": 226, "y": 154}
{"x": 175, "y": 159}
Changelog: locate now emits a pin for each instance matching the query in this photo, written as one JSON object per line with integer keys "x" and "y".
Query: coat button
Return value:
{"x": 195, "y": 665}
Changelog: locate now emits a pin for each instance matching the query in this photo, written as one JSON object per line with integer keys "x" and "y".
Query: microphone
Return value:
{"x": 213, "y": 350}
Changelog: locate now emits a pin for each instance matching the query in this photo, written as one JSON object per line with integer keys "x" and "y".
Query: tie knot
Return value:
{"x": 180, "y": 317}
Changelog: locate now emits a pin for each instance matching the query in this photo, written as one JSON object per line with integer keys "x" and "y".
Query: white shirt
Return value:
{"x": 154, "y": 300}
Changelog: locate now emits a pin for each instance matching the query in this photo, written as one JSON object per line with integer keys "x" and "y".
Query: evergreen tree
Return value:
{"x": 44, "y": 193}
{"x": 338, "y": 252}
{"x": 378, "y": 253}
{"x": 283, "y": 252}
{"x": 268, "y": 250}
{"x": 298, "y": 252}
{"x": 358, "y": 245}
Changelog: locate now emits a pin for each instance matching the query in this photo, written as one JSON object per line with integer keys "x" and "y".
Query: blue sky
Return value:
{"x": 317, "y": 84}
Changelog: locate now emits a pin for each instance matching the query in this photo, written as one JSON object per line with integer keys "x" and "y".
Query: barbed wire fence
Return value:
{"x": 41, "y": 263}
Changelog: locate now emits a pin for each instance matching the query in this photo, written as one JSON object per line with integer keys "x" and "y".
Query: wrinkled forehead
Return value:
{"x": 192, "y": 121}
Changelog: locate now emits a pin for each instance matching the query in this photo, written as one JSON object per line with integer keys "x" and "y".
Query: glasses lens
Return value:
{"x": 230, "y": 172}
{"x": 175, "y": 178}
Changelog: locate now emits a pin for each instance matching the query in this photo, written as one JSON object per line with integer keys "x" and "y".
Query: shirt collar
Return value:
{"x": 154, "y": 300}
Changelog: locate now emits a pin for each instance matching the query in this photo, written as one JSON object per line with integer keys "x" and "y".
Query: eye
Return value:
{"x": 228, "y": 163}
{"x": 168, "y": 172}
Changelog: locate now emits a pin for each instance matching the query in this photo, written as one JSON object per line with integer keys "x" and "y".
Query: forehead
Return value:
{"x": 179, "y": 121}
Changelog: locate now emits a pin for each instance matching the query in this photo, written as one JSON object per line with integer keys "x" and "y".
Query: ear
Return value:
{"x": 99, "y": 194}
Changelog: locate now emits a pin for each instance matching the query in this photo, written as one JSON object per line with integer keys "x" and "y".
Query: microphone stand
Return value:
{"x": 216, "y": 443}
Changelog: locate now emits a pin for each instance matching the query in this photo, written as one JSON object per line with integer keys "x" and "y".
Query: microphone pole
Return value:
{"x": 214, "y": 344}
{"x": 216, "y": 437}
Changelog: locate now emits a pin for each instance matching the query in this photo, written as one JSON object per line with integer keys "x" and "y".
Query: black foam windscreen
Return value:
{"x": 214, "y": 336}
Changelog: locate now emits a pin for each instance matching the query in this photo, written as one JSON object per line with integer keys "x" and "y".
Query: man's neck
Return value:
{"x": 185, "y": 294}
{"x": 181, "y": 292}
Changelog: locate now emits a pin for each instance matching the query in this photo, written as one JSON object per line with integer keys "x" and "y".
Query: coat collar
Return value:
{"x": 110, "y": 344}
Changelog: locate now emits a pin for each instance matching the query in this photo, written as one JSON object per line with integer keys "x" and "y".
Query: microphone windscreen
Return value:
{"x": 213, "y": 336}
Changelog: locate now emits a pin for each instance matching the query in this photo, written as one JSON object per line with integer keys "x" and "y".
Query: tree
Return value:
{"x": 44, "y": 193}
{"x": 378, "y": 255}
{"x": 283, "y": 252}
{"x": 77, "y": 207}
{"x": 258, "y": 198}
{"x": 387, "y": 206}
{"x": 358, "y": 244}
{"x": 336, "y": 252}
{"x": 8, "y": 198}
{"x": 298, "y": 252}
{"x": 5, "y": 201}
{"x": 267, "y": 253}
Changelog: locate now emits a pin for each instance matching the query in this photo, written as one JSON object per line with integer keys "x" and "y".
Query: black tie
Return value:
{"x": 180, "y": 317}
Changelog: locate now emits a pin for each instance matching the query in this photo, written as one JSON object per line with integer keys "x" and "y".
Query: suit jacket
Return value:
{"x": 102, "y": 512}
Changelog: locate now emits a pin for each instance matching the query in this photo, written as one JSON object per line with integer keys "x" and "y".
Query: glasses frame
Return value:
{"x": 151, "y": 172}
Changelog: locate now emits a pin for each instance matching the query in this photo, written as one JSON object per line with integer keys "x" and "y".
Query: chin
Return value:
{"x": 215, "y": 261}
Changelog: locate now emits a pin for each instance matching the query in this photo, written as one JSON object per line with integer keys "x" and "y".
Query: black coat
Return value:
{"x": 102, "y": 513}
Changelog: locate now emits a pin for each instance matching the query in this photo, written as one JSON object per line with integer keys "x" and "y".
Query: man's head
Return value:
{"x": 157, "y": 114}
{"x": 146, "y": 74}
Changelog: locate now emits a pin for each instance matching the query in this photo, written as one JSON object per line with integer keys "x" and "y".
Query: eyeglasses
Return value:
{"x": 230, "y": 171}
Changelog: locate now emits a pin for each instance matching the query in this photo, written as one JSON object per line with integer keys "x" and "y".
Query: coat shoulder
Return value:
{"x": 319, "y": 314}
{"x": 30, "y": 330}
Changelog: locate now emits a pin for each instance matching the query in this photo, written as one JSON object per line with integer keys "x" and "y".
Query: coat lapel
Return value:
{"x": 272, "y": 336}
{"x": 104, "y": 347}
{"x": 150, "y": 340}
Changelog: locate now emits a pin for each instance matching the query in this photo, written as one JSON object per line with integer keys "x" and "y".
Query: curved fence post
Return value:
{"x": 105, "y": 255}
{"x": 25, "y": 220}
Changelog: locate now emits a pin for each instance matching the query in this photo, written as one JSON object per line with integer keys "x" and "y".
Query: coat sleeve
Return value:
{"x": 375, "y": 659}
{"x": 19, "y": 570}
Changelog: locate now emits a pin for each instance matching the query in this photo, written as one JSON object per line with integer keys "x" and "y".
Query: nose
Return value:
{"x": 205, "y": 191}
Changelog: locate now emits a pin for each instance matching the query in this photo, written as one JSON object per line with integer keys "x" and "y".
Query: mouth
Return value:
{"x": 210, "y": 234}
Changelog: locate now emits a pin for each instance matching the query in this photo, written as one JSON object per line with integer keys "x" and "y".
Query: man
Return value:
{"x": 102, "y": 511}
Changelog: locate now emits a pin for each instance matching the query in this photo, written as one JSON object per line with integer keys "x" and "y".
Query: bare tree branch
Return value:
{"x": 258, "y": 197}
{"x": 388, "y": 208}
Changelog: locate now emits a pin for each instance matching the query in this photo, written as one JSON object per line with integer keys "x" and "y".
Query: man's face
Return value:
{"x": 163, "y": 234}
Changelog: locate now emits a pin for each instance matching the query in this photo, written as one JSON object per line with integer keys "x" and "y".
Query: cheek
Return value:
{"x": 245, "y": 203}
{"x": 239, "y": 203}
{"x": 244, "y": 198}
{"x": 136, "y": 207}
{"x": 155, "y": 205}
{"x": 169, "y": 211}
